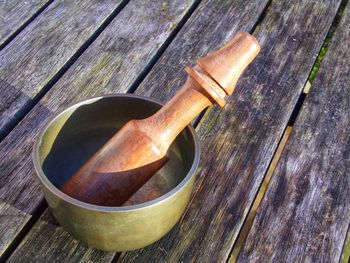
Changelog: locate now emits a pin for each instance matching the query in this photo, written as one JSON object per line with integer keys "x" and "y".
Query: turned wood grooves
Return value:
{"x": 104, "y": 68}
{"x": 296, "y": 26}
{"x": 91, "y": 75}
{"x": 138, "y": 150}
{"x": 225, "y": 190}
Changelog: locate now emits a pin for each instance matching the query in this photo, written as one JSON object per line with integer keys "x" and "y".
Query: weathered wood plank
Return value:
{"x": 14, "y": 14}
{"x": 48, "y": 242}
{"x": 239, "y": 141}
{"x": 252, "y": 212}
{"x": 305, "y": 213}
{"x": 30, "y": 61}
{"x": 110, "y": 65}
{"x": 12, "y": 221}
{"x": 90, "y": 81}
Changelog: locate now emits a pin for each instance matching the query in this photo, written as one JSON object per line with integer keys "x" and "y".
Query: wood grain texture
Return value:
{"x": 16, "y": 13}
{"x": 30, "y": 60}
{"x": 11, "y": 221}
{"x": 239, "y": 141}
{"x": 53, "y": 244}
{"x": 140, "y": 148}
{"x": 305, "y": 213}
{"x": 110, "y": 65}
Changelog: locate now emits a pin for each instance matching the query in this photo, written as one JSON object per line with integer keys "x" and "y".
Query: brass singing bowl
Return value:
{"x": 73, "y": 136}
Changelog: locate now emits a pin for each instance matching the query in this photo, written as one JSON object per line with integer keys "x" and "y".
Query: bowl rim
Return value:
{"x": 75, "y": 202}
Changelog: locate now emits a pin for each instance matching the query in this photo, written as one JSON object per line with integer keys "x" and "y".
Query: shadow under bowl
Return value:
{"x": 74, "y": 135}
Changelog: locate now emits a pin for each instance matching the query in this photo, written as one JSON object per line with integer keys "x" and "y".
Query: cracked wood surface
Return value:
{"x": 30, "y": 61}
{"x": 88, "y": 86}
{"x": 15, "y": 13}
{"x": 239, "y": 141}
{"x": 253, "y": 120}
{"x": 110, "y": 65}
{"x": 305, "y": 213}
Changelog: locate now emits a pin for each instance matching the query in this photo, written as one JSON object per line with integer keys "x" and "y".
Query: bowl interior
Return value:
{"x": 73, "y": 136}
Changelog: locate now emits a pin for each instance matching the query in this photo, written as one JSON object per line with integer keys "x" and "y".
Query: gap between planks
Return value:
{"x": 43, "y": 205}
{"x": 151, "y": 67}
{"x": 262, "y": 16}
{"x": 318, "y": 62}
{"x": 22, "y": 113}
{"x": 251, "y": 215}
{"x": 202, "y": 116}
{"x": 25, "y": 24}
{"x": 297, "y": 111}
{"x": 23, "y": 232}
{"x": 153, "y": 61}
{"x": 325, "y": 45}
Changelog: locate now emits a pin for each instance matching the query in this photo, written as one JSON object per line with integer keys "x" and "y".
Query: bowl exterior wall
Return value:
{"x": 122, "y": 230}
{"x": 112, "y": 229}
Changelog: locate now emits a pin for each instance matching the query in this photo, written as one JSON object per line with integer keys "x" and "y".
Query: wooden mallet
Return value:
{"x": 138, "y": 150}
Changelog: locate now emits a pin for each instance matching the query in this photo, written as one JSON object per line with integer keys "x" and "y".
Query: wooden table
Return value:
{"x": 57, "y": 52}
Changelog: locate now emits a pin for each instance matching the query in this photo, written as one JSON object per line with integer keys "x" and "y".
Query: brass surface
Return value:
{"x": 71, "y": 138}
